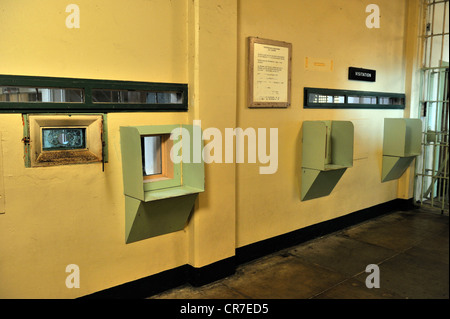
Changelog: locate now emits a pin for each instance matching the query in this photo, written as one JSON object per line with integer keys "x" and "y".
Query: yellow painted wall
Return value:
{"x": 212, "y": 84}
{"x": 326, "y": 30}
{"x": 75, "y": 214}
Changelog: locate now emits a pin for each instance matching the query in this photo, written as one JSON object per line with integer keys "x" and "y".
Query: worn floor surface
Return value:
{"x": 410, "y": 248}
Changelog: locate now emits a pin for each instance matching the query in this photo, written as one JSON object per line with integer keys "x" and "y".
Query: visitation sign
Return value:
{"x": 361, "y": 74}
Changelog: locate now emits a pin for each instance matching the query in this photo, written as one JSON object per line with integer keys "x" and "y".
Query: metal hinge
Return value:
{"x": 26, "y": 140}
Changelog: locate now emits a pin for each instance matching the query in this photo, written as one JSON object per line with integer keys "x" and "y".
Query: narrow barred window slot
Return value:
{"x": 28, "y": 94}
{"x": 362, "y": 99}
{"x": 40, "y": 95}
{"x": 136, "y": 97}
{"x": 331, "y": 98}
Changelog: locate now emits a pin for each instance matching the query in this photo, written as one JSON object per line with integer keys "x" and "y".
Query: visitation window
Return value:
{"x": 329, "y": 98}
{"x": 159, "y": 194}
{"x": 28, "y": 94}
{"x": 64, "y": 139}
{"x": 156, "y": 162}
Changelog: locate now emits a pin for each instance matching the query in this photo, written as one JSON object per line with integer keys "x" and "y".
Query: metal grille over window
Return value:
{"x": 141, "y": 97}
{"x": 332, "y": 98}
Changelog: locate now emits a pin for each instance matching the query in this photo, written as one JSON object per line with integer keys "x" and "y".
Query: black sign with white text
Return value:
{"x": 361, "y": 74}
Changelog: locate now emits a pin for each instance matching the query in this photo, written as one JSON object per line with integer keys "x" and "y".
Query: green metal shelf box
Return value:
{"x": 327, "y": 151}
{"x": 159, "y": 207}
{"x": 401, "y": 144}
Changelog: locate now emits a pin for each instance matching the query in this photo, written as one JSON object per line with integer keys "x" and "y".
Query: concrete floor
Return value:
{"x": 411, "y": 249}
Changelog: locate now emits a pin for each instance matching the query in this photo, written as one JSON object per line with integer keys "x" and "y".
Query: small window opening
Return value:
{"x": 156, "y": 162}
{"x": 136, "y": 97}
{"x": 63, "y": 139}
{"x": 36, "y": 94}
{"x": 362, "y": 99}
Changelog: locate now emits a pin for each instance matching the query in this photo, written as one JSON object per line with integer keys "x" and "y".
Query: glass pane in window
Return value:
{"x": 138, "y": 97}
{"x": 33, "y": 94}
{"x": 151, "y": 155}
{"x": 319, "y": 98}
{"x": 391, "y": 100}
{"x": 369, "y": 100}
{"x": 362, "y": 99}
{"x": 383, "y": 100}
{"x": 106, "y": 96}
{"x": 338, "y": 99}
{"x": 353, "y": 100}
{"x": 63, "y": 139}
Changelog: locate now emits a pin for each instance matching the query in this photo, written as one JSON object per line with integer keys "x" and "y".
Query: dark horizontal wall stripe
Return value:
{"x": 88, "y": 105}
{"x": 154, "y": 284}
{"x": 144, "y": 287}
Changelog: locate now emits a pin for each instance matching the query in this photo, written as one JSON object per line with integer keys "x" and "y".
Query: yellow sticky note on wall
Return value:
{"x": 318, "y": 64}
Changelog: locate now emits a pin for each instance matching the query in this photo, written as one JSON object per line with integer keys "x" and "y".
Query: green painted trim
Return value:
{"x": 134, "y": 185}
{"x": 88, "y": 105}
{"x": 130, "y": 145}
{"x": 25, "y": 140}
{"x": 171, "y": 192}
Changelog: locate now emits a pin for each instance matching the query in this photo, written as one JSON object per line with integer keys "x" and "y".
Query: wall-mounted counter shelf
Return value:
{"x": 401, "y": 144}
{"x": 159, "y": 192}
{"x": 327, "y": 151}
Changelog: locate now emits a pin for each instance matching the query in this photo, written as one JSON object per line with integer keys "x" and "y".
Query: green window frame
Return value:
{"x": 96, "y": 95}
{"x": 319, "y": 98}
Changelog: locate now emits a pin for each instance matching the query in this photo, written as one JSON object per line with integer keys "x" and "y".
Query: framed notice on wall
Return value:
{"x": 269, "y": 73}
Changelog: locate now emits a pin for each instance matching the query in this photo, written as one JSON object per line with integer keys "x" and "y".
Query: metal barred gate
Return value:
{"x": 432, "y": 166}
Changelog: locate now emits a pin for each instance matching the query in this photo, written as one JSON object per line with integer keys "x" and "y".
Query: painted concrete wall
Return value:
{"x": 74, "y": 214}
{"x": 326, "y": 31}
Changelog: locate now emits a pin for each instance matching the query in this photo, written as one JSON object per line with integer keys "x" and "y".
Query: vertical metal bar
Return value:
{"x": 443, "y": 31}
{"x": 432, "y": 33}
{"x": 423, "y": 94}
